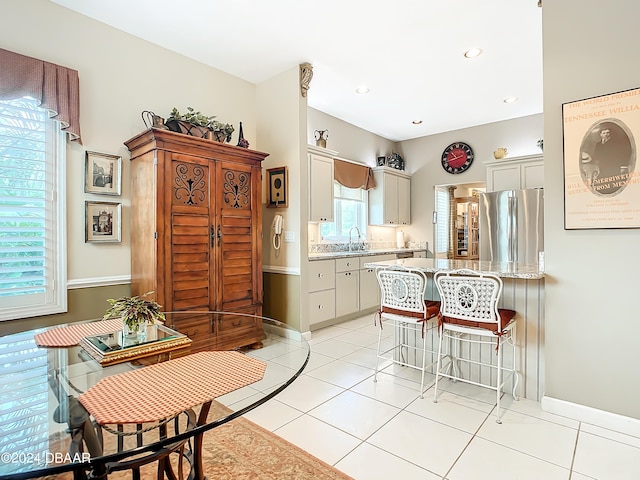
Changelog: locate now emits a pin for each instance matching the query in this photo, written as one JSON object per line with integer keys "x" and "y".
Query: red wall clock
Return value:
{"x": 457, "y": 157}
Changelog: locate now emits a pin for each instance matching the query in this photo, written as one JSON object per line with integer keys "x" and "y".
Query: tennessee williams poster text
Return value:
{"x": 601, "y": 184}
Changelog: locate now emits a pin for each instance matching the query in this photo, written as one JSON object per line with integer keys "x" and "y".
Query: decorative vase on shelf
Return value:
{"x": 321, "y": 138}
{"x": 242, "y": 142}
{"x": 500, "y": 153}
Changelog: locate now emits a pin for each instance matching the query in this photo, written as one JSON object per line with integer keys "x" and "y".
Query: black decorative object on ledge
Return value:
{"x": 396, "y": 161}
{"x": 242, "y": 142}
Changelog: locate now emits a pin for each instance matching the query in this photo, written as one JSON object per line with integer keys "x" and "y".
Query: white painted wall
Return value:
{"x": 120, "y": 76}
{"x": 592, "y": 326}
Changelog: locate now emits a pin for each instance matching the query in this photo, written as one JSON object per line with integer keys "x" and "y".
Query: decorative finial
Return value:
{"x": 306, "y": 73}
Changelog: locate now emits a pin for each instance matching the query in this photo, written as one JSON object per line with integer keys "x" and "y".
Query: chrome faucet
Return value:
{"x": 360, "y": 244}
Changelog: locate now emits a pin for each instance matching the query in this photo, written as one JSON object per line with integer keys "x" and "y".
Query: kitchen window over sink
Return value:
{"x": 349, "y": 210}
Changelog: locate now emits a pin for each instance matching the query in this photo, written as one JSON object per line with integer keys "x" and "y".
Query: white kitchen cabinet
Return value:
{"x": 347, "y": 286}
{"x": 322, "y": 291}
{"x": 390, "y": 201}
{"x": 515, "y": 173}
{"x": 320, "y": 184}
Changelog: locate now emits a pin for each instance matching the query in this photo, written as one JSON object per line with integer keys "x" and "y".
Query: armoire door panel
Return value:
{"x": 190, "y": 182}
{"x": 190, "y": 280}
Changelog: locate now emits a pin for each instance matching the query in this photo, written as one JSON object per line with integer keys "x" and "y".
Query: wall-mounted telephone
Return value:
{"x": 277, "y": 231}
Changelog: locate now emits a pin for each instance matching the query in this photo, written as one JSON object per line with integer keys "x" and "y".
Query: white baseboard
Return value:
{"x": 281, "y": 270}
{"x": 593, "y": 416}
{"x": 98, "y": 282}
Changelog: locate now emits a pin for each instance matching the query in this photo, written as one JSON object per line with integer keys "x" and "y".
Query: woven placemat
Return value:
{"x": 70, "y": 335}
{"x": 165, "y": 389}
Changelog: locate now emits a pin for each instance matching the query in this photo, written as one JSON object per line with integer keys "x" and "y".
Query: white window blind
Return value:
{"x": 32, "y": 217}
{"x": 442, "y": 226}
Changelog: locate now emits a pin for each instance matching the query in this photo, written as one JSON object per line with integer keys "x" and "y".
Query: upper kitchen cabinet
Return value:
{"x": 390, "y": 201}
{"x": 516, "y": 173}
{"x": 320, "y": 184}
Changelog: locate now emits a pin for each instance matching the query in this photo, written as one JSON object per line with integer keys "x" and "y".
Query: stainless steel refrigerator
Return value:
{"x": 511, "y": 227}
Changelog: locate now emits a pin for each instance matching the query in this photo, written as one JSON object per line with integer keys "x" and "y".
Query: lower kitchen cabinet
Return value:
{"x": 369, "y": 289}
{"x": 322, "y": 291}
{"x": 347, "y": 286}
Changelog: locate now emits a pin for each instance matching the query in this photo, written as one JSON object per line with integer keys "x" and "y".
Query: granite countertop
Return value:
{"x": 362, "y": 253}
{"x": 432, "y": 265}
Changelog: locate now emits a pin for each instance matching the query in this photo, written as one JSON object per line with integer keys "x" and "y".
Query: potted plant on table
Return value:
{"x": 136, "y": 313}
{"x": 197, "y": 124}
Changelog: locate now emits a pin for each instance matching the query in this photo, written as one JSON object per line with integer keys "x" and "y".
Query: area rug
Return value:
{"x": 239, "y": 450}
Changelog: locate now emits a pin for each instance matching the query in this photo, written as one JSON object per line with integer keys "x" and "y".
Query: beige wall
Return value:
{"x": 281, "y": 120}
{"x": 120, "y": 76}
{"x": 592, "y": 327}
{"x": 423, "y": 155}
{"x": 351, "y": 142}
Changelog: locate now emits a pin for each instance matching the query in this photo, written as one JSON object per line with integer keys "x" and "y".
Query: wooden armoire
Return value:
{"x": 196, "y": 234}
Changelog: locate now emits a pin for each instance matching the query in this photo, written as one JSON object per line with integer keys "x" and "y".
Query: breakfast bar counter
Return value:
{"x": 523, "y": 291}
{"x": 432, "y": 265}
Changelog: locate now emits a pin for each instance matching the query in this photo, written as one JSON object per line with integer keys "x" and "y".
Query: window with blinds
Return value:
{"x": 442, "y": 226}
{"x": 32, "y": 213}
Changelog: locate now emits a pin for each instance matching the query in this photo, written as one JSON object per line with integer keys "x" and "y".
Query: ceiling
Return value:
{"x": 408, "y": 52}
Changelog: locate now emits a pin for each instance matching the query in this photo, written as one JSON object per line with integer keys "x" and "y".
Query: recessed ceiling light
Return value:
{"x": 417, "y": 122}
{"x": 510, "y": 100}
{"x": 362, "y": 89}
{"x": 473, "y": 52}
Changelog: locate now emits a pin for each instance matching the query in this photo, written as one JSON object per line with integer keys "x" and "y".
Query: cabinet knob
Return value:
{"x": 348, "y": 264}
{"x": 320, "y": 307}
{"x": 320, "y": 275}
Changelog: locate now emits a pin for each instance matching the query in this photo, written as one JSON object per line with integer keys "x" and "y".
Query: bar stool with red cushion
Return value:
{"x": 469, "y": 313}
{"x": 403, "y": 307}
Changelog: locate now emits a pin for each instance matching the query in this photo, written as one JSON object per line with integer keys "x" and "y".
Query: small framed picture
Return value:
{"x": 103, "y": 222}
{"x": 277, "y": 187}
{"x": 102, "y": 173}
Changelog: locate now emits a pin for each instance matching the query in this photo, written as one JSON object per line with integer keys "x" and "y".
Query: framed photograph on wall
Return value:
{"x": 102, "y": 173}
{"x": 277, "y": 187}
{"x": 103, "y": 222}
{"x": 601, "y": 187}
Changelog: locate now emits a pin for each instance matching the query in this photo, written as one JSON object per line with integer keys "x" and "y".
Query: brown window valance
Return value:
{"x": 352, "y": 175}
{"x": 56, "y": 88}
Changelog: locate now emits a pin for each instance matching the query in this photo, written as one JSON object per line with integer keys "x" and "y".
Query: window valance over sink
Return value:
{"x": 352, "y": 175}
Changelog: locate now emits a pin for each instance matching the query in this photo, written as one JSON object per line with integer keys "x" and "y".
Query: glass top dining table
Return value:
{"x": 74, "y": 408}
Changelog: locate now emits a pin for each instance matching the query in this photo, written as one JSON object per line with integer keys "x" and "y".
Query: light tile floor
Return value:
{"x": 380, "y": 430}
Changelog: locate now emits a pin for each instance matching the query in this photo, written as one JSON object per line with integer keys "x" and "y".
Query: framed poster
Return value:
{"x": 277, "y": 193}
{"x": 103, "y": 222}
{"x": 102, "y": 173}
{"x": 601, "y": 184}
